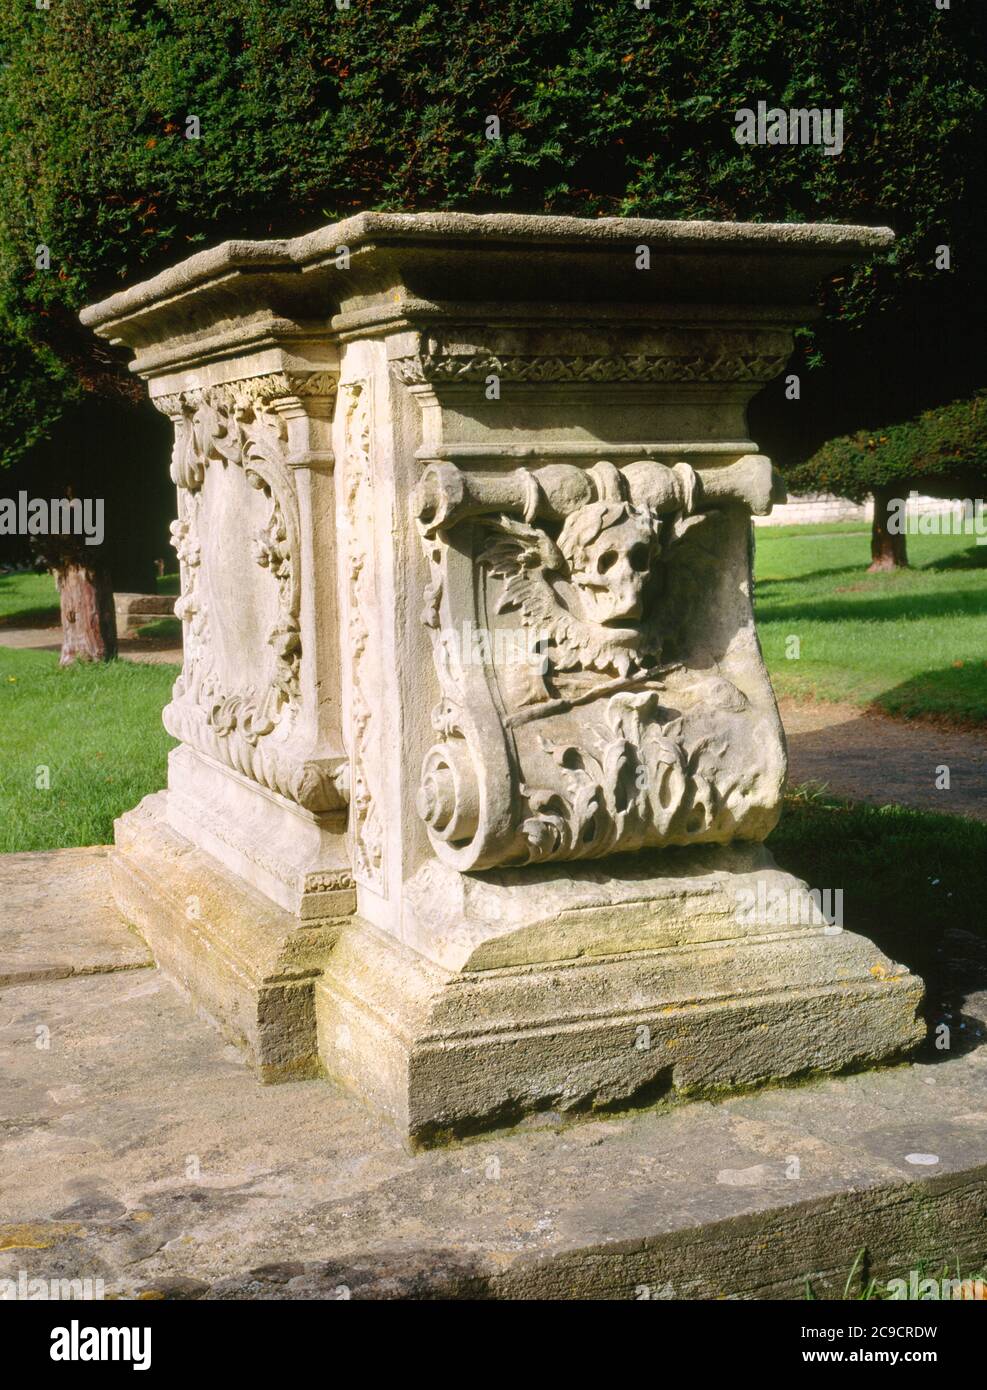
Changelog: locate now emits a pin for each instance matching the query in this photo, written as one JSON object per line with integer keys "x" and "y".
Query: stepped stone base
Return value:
{"x": 301, "y": 1192}
{"x": 628, "y": 990}
{"x": 461, "y": 1053}
{"x": 247, "y": 964}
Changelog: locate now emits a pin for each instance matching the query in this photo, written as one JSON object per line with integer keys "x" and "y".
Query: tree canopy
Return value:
{"x": 307, "y": 112}
{"x": 939, "y": 453}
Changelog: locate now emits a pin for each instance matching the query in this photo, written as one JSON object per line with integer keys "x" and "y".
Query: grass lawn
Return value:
{"x": 28, "y": 600}
{"x": 98, "y": 731}
{"x": 31, "y": 600}
{"x": 907, "y": 876}
{"x": 912, "y": 642}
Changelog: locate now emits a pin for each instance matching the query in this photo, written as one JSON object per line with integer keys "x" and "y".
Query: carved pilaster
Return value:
{"x": 365, "y": 743}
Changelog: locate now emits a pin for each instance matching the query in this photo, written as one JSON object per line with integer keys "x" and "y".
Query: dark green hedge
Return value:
{"x": 309, "y": 112}
{"x": 940, "y": 453}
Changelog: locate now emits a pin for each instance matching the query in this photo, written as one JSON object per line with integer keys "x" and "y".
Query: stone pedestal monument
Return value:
{"x": 476, "y": 748}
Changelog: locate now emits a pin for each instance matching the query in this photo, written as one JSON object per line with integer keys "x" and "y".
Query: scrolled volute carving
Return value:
{"x": 567, "y": 730}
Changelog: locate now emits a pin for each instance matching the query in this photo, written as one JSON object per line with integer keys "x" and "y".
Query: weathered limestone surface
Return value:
{"x": 478, "y": 749}
{"x": 138, "y": 1149}
{"x": 59, "y": 918}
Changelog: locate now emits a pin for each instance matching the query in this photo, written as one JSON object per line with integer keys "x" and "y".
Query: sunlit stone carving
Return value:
{"x": 477, "y": 748}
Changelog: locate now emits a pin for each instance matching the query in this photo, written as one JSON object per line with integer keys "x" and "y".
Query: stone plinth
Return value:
{"x": 478, "y": 750}
{"x": 301, "y": 1192}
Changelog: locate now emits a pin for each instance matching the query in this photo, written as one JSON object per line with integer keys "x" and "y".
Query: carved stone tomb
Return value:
{"x": 476, "y": 748}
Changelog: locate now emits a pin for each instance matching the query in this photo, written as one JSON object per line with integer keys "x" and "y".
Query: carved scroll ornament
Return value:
{"x": 248, "y": 724}
{"x": 566, "y": 732}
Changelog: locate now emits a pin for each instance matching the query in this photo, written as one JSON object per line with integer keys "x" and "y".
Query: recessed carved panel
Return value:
{"x": 236, "y": 536}
{"x": 576, "y": 720}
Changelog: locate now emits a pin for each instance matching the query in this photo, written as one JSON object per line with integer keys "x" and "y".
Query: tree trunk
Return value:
{"x": 89, "y": 625}
{"x": 887, "y": 549}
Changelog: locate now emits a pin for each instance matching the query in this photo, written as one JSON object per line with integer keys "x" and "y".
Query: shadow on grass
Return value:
{"x": 28, "y": 600}
{"x": 914, "y": 883}
{"x": 973, "y": 559}
{"x": 796, "y": 579}
{"x": 957, "y": 693}
{"x": 33, "y": 617}
{"x": 882, "y": 607}
{"x": 169, "y": 628}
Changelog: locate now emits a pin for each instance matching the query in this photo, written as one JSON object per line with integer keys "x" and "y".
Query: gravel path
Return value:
{"x": 49, "y": 639}
{"x": 869, "y": 756}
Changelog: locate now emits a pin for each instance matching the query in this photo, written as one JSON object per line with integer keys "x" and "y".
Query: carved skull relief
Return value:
{"x": 609, "y": 744}
{"x": 610, "y": 548}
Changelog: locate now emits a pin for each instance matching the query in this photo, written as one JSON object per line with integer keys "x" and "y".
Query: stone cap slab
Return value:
{"x": 443, "y": 261}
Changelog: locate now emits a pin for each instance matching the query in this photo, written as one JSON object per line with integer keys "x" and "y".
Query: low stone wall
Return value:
{"x": 813, "y": 507}
{"x": 134, "y": 610}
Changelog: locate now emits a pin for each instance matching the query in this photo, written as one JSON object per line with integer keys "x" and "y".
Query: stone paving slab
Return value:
{"x": 57, "y": 918}
{"x": 136, "y": 1147}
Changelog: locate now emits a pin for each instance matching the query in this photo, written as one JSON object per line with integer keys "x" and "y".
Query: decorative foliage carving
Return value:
{"x": 435, "y": 363}
{"x": 365, "y": 823}
{"x": 233, "y": 425}
{"x": 642, "y": 779}
{"x": 611, "y": 746}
